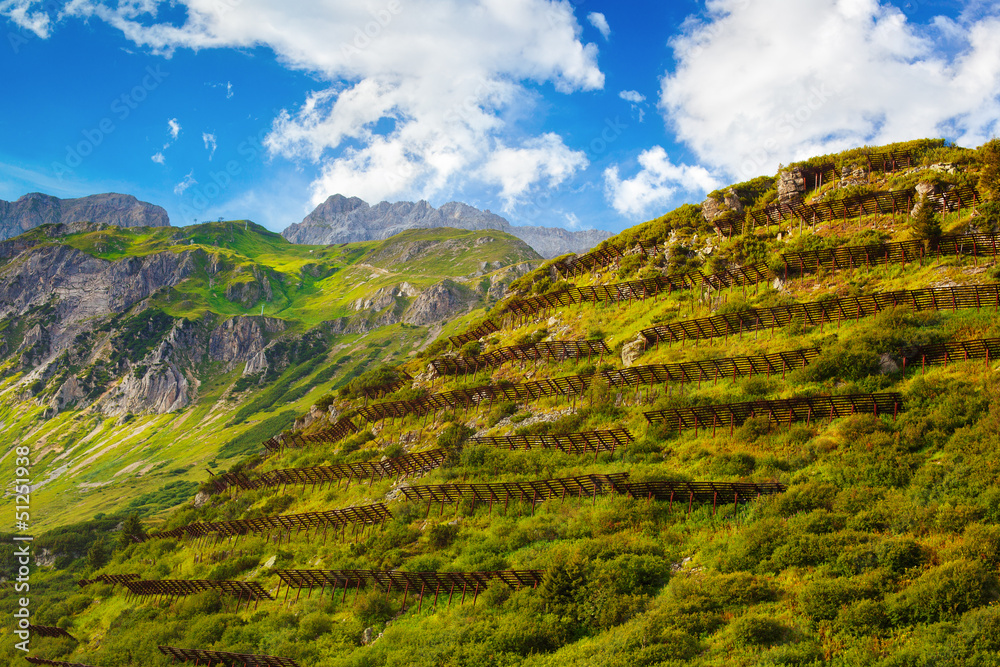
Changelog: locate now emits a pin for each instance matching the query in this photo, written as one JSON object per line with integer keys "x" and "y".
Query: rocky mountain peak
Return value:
{"x": 35, "y": 209}
{"x": 343, "y": 219}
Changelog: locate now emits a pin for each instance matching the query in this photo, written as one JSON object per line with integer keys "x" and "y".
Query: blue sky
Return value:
{"x": 575, "y": 114}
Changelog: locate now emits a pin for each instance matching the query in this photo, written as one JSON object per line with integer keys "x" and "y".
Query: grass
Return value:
{"x": 884, "y": 549}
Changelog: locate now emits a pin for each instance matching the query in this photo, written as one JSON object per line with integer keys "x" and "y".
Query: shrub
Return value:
{"x": 313, "y": 625}
{"x": 453, "y": 435}
{"x": 757, "y": 631}
{"x": 863, "y": 618}
{"x": 989, "y": 175}
{"x": 373, "y": 609}
{"x": 823, "y": 600}
{"x": 898, "y": 555}
{"x": 501, "y": 411}
{"x": 442, "y": 535}
{"x": 944, "y": 592}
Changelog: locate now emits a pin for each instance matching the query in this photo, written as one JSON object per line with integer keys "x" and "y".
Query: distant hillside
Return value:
{"x": 343, "y": 219}
{"x": 36, "y": 209}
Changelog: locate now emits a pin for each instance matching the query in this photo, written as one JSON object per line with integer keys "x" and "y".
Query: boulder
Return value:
{"x": 439, "y": 302}
{"x": 632, "y": 350}
{"x": 711, "y": 208}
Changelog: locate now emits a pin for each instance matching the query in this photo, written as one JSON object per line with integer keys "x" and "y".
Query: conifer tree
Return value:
{"x": 989, "y": 175}
{"x": 926, "y": 224}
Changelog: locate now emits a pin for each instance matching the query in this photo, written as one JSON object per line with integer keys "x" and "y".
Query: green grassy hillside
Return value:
{"x": 882, "y": 549}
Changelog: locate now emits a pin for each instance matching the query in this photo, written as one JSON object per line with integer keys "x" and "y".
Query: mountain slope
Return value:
{"x": 346, "y": 220}
{"x": 35, "y": 209}
{"x": 774, "y": 448}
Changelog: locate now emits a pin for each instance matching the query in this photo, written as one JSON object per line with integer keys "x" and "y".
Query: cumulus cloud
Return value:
{"x": 598, "y": 21}
{"x": 769, "y": 81}
{"x": 174, "y": 128}
{"x": 420, "y": 93}
{"x": 209, "y": 140}
{"x": 21, "y": 14}
{"x": 633, "y": 96}
{"x": 542, "y": 158}
{"x": 636, "y": 102}
{"x": 185, "y": 184}
{"x": 158, "y": 158}
{"x": 655, "y": 185}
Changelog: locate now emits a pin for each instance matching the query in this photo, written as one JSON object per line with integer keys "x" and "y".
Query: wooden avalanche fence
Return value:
{"x": 485, "y": 329}
{"x": 849, "y": 257}
{"x": 361, "y": 515}
{"x": 890, "y": 202}
{"x": 113, "y": 579}
{"x": 583, "y": 442}
{"x": 394, "y": 468}
{"x": 417, "y": 582}
{"x": 585, "y": 486}
{"x": 952, "y": 351}
{"x": 595, "y": 259}
{"x": 821, "y": 312}
{"x": 208, "y": 658}
{"x": 49, "y": 631}
{"x": 57, "y": 663}
{"x": 573, "y": 385}
{"x": 340, "y": 430}
{"x": 779, "y": 411}
{"x": 558, "y": 350}
{"x": 169, "y": 589}
{"x": 378, "y": 391}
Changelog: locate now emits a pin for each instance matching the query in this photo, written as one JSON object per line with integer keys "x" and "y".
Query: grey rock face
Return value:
{"x": 712, "y": 209}
{"x": 239, "y": 339}
{"x": 439, "y": 302}
{"x": 36, "y": 209}
{"x": 83, "y": 286}
{"x": 791, "y": 186}
{"x": 346, "y": 220}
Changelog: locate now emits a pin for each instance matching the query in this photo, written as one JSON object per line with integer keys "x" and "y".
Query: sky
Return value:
{"x": 579, "y": 114}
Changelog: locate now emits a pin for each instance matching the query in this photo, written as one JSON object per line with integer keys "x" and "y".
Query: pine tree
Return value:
{"x": 926, "y": 224}
{"x": 989, "y": 175}
{"x": 131, "y": 529}
{"x": 97, "y": 555}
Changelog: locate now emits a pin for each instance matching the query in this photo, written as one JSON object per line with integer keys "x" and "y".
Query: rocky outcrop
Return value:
{"x": 385, "y": 297}
{"x": 81, "y": 287}
{"x": 240, "y": 339}
{"x": 348, "y": 219}
{"x": 35, "y": 209}
{"x": 791, "y": 186}
{"x": 439, "y": 302}
{"x": 632, "y": 350}
{"x": 712, "y": 208}
{"x": 163, "y": 388}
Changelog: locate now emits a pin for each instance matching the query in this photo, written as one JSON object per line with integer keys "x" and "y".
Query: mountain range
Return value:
{"x": 339, "y": 219}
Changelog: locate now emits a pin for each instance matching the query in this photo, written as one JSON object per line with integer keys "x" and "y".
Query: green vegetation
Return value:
{"x": 883, "y": 550}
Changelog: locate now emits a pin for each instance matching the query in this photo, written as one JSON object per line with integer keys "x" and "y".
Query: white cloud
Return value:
{"x": 633, "y": 96}
{"x": 598, "y": 21}
{"x": 655, "y": 185}
{"x": 229, "y": 90}
{"x": 445, "y": 76}
{"x": 158, "y": 158}
{"x": 185, "y": 184}
{"x": 210, "y": 144}
{"x": 174, "y": 128}
{"x": 636, "y": 102}
{"x": 772, "y": 81}
{"x": 541, "y": 158}
{"x": 19, "y": 11}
